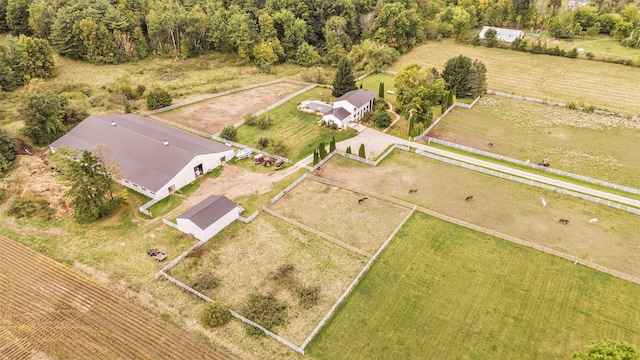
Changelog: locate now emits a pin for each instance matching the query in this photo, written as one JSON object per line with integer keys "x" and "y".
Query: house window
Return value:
{"x": 134, "y": 185}
{"x": 143, "y": 189}
{"x": 126, "y": 181}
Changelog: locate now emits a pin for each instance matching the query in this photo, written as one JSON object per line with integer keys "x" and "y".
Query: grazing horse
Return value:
{"x": 413, "y": 191}
{"x": 361, "y": 201}
{"x": 490, "y": 144}
{"x": 544, "y": 203}
{"x": 563, "y": 221}
{"x": 468, "y": 198}
{"x": 593, "y": 221}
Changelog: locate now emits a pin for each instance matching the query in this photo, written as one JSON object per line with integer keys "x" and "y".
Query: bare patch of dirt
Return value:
{"x": 211, "y": 116}
{"x": 34, "y": 175}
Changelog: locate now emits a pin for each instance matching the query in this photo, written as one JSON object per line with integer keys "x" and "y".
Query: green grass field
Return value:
{"x": 601, "y": 46}
{"x": 299, "y": 131}
{"x": 608, "y": 86}
{"x": 597, "y": 146}
{"x": 440, "y": 291}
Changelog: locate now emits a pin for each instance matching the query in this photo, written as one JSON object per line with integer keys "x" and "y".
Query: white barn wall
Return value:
{"x": 187, "y": 174}
{"x": 187, "y": 226}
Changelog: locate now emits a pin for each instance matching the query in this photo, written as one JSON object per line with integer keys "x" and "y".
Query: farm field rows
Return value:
{"x": 602, "y": 147}
{"x": 608, "y": 86}
{"x": 246, "y": 259}
{"x": 47, "y": 310}
{"x": 500, "y": 205}
{"x": 452, "y": 293}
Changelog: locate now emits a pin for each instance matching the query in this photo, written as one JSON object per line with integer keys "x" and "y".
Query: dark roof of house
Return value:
{"x": 358, "y": 97}
{"x": 136, "y": 144}
{"x": 209, "y": 210}
{"x": 340, "y": 113}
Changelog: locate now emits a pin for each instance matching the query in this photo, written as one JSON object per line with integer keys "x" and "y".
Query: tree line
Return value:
{"x": 308, "y": 32}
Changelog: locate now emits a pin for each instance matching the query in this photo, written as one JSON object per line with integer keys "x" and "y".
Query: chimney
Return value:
{"x": 166, "y": 143}
{"x": 113, "y": 123}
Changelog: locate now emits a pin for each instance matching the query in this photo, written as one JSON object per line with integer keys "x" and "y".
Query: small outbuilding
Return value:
{"x": 209, "y": 217}
{"x": 505, "y": 35}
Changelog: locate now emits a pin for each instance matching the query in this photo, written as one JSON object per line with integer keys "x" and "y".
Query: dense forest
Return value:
{"x": 268, "y": 32}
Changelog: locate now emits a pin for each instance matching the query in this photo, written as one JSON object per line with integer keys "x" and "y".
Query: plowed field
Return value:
{"x": 46, "y": 310}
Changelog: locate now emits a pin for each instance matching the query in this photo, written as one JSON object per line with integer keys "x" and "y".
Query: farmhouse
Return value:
{"x": 153, "y": 159}
{"x": 350, "y": 107}
{"x": 209, "y": 217}
{"x": 505, "y": 35}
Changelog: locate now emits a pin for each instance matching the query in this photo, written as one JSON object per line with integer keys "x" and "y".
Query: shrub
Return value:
{"x": 250, "y": 119}
{"x": 215, "y": 314}
{"x": 382, "y": 119}
{"x": 229, "y": 132}
{"x": 308, "y": 296}
{"x": 158, "y": 98}
{"x": 205, "y": 282}
{"x": 263, "y": 142}
{"x": 264, "y": 121}
{"x": 361, "y": 151}
{"x": 29, "y": 206}
{"x": 266, "y": 311}
{"x": 348, "y": 149}
{"x": 284, "y": 275}
{"x": 278, "y": 147}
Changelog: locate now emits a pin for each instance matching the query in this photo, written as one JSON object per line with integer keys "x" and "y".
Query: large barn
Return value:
{"x": 209, "y": 217}
{"x": 153, "y": 159}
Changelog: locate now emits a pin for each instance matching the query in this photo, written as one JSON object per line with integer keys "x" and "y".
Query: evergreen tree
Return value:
{"x": 91, "y": 185}
{"x": 361, "y": 152}
{"x": 381, "y": 90}
{"x": 344, "y": 81}
{"x": 316, "y": 157}
{"x": 348, "y": 149}
{"x": 322, "y": 150}
{"x": 332, "y": 145}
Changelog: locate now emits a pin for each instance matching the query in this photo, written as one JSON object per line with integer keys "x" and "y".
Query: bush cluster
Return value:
{"x": 29, "y": 206}
{"x": 265, "y": 310}
{"x": 215, "y": 314}
{"x": 205, "y": 282}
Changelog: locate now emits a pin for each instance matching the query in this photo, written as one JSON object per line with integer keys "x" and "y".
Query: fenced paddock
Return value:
{"x": 338, "y": 213}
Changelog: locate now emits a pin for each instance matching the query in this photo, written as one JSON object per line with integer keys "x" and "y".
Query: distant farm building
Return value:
{"x": 350, "y": 107}
{"x": 576, "y": 3}
{"x": 505, "y": 35}
{"x": 153, "y": 159}
{"x": 209, "y": 217}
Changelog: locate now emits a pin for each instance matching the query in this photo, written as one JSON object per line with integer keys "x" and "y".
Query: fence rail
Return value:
{"x": 267, "y": 332}
{"x": 150, "y": 203}
{"x": 536, "y": 166}
{"x": 248, "y": 219}
{"x": 217, "y": 138}
{"x": 288, "y": 188}
{"x": 172, "y": 224}
{"x": 502, "y": 175}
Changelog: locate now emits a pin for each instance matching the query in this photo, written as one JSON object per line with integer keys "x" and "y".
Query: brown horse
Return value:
{"x": 468, "y": 198}
{"x": 563, "y": 221}
{"x": 413, "y": 191}
{"x": 361, "y": 201}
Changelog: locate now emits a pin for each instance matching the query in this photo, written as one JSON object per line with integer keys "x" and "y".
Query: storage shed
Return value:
{"x": 209, "y": 217}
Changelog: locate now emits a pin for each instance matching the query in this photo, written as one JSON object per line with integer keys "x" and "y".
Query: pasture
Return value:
{"x": 338, "y": 213}
{"x": 212, "y": 115}
{"x": 246, "y": 258}
{"x": 606, "y": 86}
{"x": 452, "y": 293}
{"x": 299, "y": 131}
{"x": 500, "y": 205}
{"x": 48, "y": 311}
{"x": 599, "y": 146}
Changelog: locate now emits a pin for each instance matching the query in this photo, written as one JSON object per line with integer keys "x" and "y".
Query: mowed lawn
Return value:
{"x": 440, "y": 291}
{"x": 598, "y": 146}
{"x": 298, "y": 130}
{"x": 609, "y": 86}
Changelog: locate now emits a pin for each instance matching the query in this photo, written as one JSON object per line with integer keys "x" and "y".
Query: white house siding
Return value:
{"x": 344, "y": 104}
{"x": 187, "y": 226}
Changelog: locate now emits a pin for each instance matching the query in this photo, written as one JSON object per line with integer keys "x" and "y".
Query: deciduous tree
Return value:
{"x": 8, "y": 150}
{"x": 42, "y": 114}
{"x": 467, "y": 76}
{"x": 609, "y": 350}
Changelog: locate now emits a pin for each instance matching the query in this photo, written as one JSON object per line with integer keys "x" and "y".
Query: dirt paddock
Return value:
{"x": 211, "y": 116}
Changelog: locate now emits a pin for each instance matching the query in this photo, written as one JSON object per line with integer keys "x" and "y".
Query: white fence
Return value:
{"x": 288, "y": 188}
{"x": 536, "y": 166}
{"x": 530, "y": 182}
{"x": 545, "y": 102}
{"x": 173, "y": 225}
{"x": 242, "y": 146}
{"x": 248, "y": 219}
{"x": 284, "y": 100}
{"x": 150, "y": 203}
{"x": 355, "y": 282}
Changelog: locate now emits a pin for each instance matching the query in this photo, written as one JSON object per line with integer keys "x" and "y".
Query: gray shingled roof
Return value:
{"x": 340, "y": 113}
{"x": 358, "y": 97}
{"x": 209, "y": 210}
{"x": 137, "y": 145}
{"x": 506, "y": 35}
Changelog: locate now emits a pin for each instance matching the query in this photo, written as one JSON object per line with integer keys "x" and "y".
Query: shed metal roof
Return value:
{"x": 137, "y": 145}
{"x": 209, "y": 210}
{"x": 506, "y": 35}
